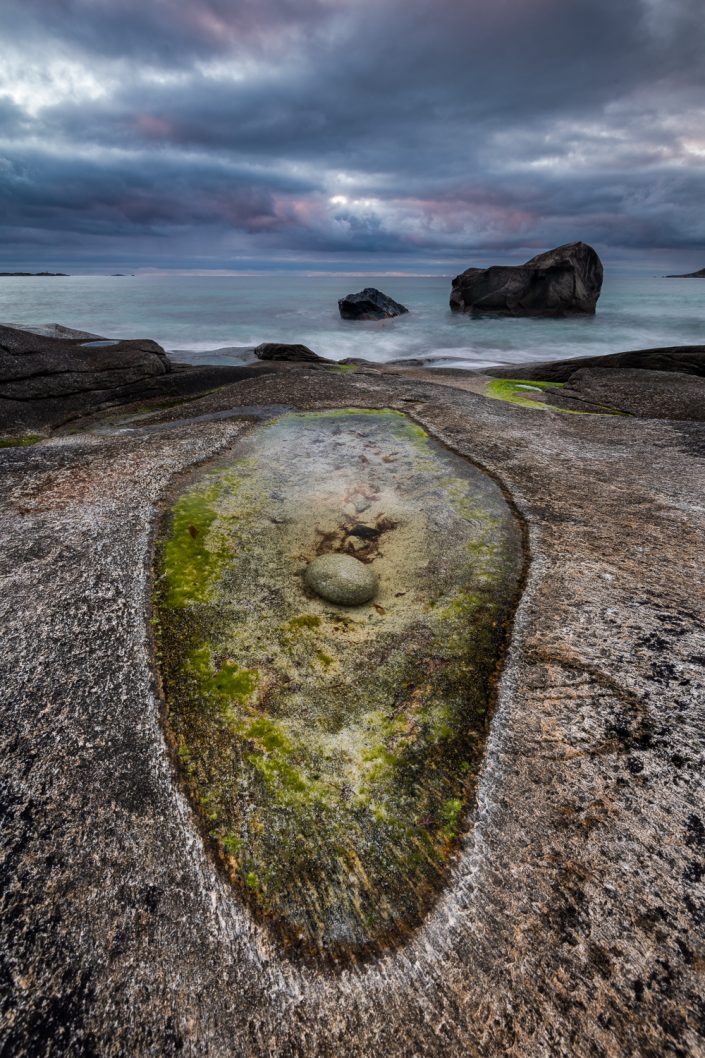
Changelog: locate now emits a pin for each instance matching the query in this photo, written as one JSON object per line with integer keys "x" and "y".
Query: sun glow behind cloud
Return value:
{"x": 284, "y": 127}
{"x": 38, "y": 83}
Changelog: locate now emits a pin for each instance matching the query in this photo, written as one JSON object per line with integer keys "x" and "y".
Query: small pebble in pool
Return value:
{"x": 364, "y": 532}
{"x": 341, "y": 579}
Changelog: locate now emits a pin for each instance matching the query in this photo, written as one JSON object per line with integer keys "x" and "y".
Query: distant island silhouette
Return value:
{"x": 33, "y": 273}
{"x": 689, "y": 275}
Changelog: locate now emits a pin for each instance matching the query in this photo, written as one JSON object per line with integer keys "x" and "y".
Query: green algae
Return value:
{"x": 304, "y": 620}
{"x": 221, "y": 685}
{"x": 514, "y": 391}
{"x": 20, "y": 442}
{"x": 451, "y": 812}
{"x": 331, "y": 752}
{"x": 232, "y": 682}
{"x": 344, "y": 413}
{"x": 190, "y": 564}
{"x": 510, "y": 390}
{"x": 199, "y": 545}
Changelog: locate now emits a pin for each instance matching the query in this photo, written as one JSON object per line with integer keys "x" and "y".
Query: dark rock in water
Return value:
{"x": 365, "y": 532}
{"x": 689, "y": 275}
{"x": 369, "y": 304}
{"x": 561, "y": 282}
{"x": 293, "y": 353}
{"x": 685, "y": 359}
{"x": 409, "y": 361}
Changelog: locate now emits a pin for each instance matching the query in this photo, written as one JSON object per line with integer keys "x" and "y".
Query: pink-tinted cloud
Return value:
{"x": 402, "y": 127}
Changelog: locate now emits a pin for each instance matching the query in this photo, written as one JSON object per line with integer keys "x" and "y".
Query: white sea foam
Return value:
{"x": 216, "y": 318}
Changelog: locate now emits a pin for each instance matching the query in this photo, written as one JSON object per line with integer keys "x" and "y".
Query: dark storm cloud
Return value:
{"x": 12, "y": 121}
{"x": 169, "y": 32}
{"x": 326, "y": 126}
{"x": 122, "y": 194}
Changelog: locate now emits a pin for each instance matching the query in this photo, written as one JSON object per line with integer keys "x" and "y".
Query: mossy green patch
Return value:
{"x": 231, "y": 843}
{"x": 344, "y": 413}
{"x": 451, "y": 813}
{"x": 230, "y": 681}
{"x": 193, "y": 558}
{"x": 224, "y": 684}
{"x": 518, "y": 391}
{"x": 20, "y": 442}
{"x": 330, "y": 754}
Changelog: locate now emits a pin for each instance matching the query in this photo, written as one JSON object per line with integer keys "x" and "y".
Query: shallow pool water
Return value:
{"x": 331, "y": 752}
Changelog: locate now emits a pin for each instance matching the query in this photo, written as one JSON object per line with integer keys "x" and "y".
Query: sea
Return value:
{"x": 214, "y": 319}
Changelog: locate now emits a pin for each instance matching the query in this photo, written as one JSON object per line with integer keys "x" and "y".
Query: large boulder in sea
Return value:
{"x": 562, "y": 282}
{"x": 369, "y": 304}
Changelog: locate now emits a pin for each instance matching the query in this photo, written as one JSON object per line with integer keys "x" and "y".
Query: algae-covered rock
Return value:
{"x": 331, "y": 753}
{"x": 341, "y": 579}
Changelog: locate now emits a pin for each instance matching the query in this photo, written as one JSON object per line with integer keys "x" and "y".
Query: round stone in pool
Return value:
{"x": 341, "y": 579}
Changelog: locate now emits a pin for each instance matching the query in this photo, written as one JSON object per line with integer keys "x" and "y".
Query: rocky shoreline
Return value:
{"x": 571, "y": 918}
{"x": 53, "y": 376}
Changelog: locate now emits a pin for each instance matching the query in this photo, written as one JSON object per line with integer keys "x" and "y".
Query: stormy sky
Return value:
{"x": 409, "y": 134}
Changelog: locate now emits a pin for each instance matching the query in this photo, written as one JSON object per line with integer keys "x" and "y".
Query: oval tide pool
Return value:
{"x": 330, "y": 751}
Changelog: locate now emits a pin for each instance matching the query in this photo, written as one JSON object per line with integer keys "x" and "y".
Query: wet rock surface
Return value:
{"x": 330, "y": 741}
{"x": 571, "y": 921}
{"x": 53, "y": 375}
{"x": 293, "y": 353}
{"x": 561, "y": 282}
{"x": 649, "y": 394}
{"x": 661, "y": 383}
{"x": 369, "y": 304}
{"x": 56, "y": 330}
{"x": 34, "y": 367}
{"x": 682, "y": 359}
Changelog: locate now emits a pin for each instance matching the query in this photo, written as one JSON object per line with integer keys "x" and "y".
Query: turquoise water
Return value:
{"x": 196, "y": 315}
